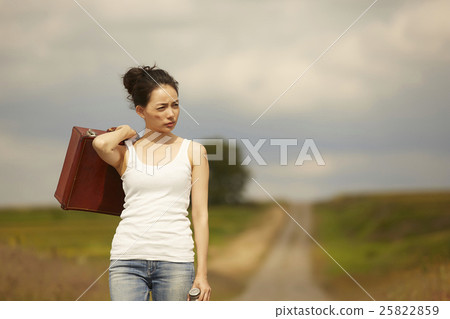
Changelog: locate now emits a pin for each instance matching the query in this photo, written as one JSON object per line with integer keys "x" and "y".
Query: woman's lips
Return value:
{"x": 170, "y": 124}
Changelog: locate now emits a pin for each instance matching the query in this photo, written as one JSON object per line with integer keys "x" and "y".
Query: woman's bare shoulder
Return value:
{"x": 196, "y": 151}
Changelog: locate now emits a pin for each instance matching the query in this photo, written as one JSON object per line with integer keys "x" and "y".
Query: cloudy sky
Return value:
{"x": 376, "y": 103}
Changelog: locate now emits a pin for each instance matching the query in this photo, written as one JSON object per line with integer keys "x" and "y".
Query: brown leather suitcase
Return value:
{"x": 87, "y": 183}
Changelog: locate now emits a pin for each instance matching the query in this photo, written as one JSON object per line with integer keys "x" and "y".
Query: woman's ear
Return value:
{"x": 140, "y": 111}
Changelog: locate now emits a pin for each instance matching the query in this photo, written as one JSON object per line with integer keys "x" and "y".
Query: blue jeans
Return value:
{"x": 135, "y": 279}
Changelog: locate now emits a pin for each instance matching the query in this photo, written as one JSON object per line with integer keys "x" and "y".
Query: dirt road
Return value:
{"x": 286, "y": 272}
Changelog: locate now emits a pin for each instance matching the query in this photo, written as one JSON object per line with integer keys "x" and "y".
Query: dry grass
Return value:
{"x": 420, "y": 283}
{"x": 28, "y": 275}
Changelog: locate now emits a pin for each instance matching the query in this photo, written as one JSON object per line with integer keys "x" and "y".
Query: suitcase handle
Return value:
{"x": 90, "y": 132}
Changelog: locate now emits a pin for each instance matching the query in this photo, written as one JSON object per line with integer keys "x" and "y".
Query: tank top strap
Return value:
{"x": 131, "y": 152}
{"x": 184, "y": 148}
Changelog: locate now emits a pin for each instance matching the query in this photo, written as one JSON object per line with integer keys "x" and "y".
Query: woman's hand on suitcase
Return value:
{"x": 129, "y": 132}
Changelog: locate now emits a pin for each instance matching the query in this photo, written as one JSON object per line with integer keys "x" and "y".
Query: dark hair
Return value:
{"x": 141, "y": 81}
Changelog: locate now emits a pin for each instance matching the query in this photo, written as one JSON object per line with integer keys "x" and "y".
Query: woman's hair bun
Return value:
{"x": 133, "y": 75}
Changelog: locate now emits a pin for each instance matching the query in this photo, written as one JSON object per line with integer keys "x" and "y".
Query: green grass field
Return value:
{"x": 53, "y": 254}
{"x": 398, "y": 245}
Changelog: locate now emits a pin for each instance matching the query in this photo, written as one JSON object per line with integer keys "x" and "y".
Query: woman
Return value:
{"x": 152, "y": 249}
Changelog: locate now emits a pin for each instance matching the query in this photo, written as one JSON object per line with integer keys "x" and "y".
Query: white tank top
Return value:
{"x": 154, "y": 223}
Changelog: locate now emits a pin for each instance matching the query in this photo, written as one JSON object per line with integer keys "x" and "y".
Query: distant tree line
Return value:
{"x": 226, "y": 181}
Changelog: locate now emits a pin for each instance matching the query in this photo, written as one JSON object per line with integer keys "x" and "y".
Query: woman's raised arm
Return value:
{"x": 106, "y": 145}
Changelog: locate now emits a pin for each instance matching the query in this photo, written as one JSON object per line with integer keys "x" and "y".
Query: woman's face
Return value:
{"x": 161, "y": 110}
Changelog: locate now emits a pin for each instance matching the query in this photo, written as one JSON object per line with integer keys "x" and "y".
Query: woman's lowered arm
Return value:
{"x": 199, "y": 198}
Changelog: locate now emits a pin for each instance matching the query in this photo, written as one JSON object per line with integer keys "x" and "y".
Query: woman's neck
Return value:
{"x": 159, "y": 137}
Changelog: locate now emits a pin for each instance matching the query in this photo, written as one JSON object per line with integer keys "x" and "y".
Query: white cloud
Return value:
{"x": 373, "y": 60}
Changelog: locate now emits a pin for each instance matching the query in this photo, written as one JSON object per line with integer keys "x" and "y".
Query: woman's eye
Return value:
{"x": 160, "y": 108}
